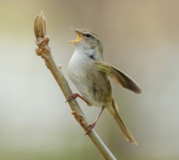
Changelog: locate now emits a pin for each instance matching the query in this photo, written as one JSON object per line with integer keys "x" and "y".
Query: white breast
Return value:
{"x": 91, "y": 84}
{"x": 78, "y": 67}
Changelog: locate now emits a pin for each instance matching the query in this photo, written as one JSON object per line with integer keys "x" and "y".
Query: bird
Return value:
{"x": 90, "y": 74}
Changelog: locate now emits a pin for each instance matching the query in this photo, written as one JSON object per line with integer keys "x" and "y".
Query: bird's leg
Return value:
{"x": 91, "y": 126}
{"x": 73, "y": 96}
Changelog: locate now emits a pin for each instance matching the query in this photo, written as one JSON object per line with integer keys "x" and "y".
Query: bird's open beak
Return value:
{"x": 79, "y": 36}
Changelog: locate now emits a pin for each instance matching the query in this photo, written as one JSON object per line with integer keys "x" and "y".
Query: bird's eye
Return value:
{"x": 87, "y": 35}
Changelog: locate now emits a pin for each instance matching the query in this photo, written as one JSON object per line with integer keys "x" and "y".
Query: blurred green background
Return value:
{"x": 139, "y": 37}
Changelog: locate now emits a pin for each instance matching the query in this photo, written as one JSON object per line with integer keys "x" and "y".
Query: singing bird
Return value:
{"x": 89, "y": 72}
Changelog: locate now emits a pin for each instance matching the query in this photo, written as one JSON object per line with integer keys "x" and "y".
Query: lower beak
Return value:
{"x": 79, "y": 36}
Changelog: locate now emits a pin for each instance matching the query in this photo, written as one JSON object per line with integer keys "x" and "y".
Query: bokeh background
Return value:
{"x": 139, "y": 37}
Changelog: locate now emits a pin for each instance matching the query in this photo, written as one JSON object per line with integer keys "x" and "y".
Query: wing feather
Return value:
{"x": 118, "y": 76}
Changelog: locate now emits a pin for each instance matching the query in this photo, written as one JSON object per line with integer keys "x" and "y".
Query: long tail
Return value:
{"x": 113, "y": 110}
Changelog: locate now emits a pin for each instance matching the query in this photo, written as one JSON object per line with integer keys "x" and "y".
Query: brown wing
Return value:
{"x": 118, "y": 76}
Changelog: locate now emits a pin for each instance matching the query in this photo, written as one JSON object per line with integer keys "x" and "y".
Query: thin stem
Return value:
{"x": 45, "y": 52}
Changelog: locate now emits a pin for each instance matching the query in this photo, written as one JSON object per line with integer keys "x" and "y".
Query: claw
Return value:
{"x": 70, "y": 97}
{"x": 73, "y": 96}
{"x": 91, "y": 126}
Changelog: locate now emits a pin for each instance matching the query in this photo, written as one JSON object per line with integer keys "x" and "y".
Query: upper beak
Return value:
{"x": 79, "y": 36}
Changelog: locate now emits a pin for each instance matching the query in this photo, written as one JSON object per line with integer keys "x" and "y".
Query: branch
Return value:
{"x": 44, "y": 51}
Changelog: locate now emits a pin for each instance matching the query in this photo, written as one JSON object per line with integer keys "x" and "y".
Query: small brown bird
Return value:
{"x": 89, "y": 73}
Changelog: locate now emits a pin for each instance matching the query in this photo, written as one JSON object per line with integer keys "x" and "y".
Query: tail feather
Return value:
{"x": 113, "y": 110}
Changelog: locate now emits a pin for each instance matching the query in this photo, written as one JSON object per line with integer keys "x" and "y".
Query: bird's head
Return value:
{"x": 87, "y": 40}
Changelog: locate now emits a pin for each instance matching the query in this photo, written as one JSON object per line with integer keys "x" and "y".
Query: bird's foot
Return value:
{"x": 91, "y": 126}
{"x": 75, "y": 95}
